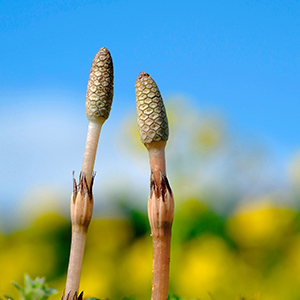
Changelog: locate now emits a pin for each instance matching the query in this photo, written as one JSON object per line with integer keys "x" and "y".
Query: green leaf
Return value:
{"x": 7, "y": 297}
{"x": 20, "y": 290}
{"x": 34, "y": 289}
{"x": 28, "y": 284}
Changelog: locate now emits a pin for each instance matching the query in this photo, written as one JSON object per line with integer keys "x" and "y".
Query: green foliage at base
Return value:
{"x": 33, "y": 289}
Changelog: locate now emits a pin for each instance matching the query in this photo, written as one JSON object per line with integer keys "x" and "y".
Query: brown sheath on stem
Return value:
{"x": 154, "y": 132}
{"x": 97, "y": 106}
{"x": 160, "y": 214}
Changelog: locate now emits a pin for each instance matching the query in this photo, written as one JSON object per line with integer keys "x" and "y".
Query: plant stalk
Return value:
{"x": 161, "y": 264}
{"x": 92, "y": 139}
{"x": 154, "y": 133}
{"x": 80, "y": 224}
{"x": 75, "y": 261}
{"x": 160, "y": 214}
{"x": 157, "y": 159}
{"x": 81, "y": 215}
{"x": 97, "y": 107}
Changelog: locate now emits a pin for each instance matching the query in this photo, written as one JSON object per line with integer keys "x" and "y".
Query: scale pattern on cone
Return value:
{"x": 151, "y": 112}
{"x": 100, "y": 87}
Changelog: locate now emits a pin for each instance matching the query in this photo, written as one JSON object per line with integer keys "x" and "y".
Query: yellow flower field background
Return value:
{"x": 236, "y": 227}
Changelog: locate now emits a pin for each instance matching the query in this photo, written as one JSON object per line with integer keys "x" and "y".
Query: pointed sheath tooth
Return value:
{"x": 100, "y": 87}
{"x": 151, "y": 112}
{"x": 160, "y": 206}
{"x": 82, "y": 204}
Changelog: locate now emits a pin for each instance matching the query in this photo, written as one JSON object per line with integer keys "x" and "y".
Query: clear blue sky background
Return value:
{"x": 239, "y": 57}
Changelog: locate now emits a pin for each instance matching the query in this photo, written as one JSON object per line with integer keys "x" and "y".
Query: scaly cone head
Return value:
{"x": 100, "y": 88}
{"x": 151, "y": 112}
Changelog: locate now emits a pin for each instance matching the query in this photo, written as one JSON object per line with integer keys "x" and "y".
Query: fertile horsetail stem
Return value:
{"x": 154, "y": 133}
{"x": 97, "y": 106}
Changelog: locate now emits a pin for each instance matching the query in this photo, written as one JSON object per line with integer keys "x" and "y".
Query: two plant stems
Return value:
{"x": 153, "y": 128}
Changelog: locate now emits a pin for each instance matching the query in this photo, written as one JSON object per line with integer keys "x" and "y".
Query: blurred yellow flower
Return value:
{"x": 106, "y": 241}
{"x": 203, "y": 267}
{"x": 210, "y": 133}
{"x": 97, "y": 278}
{"x": 261, "y": 224}
{"x": 135, "y": 273}
{"x": 108, "y": 236}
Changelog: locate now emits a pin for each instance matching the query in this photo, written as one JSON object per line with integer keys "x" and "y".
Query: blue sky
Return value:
{"x": 238, "y": 57}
